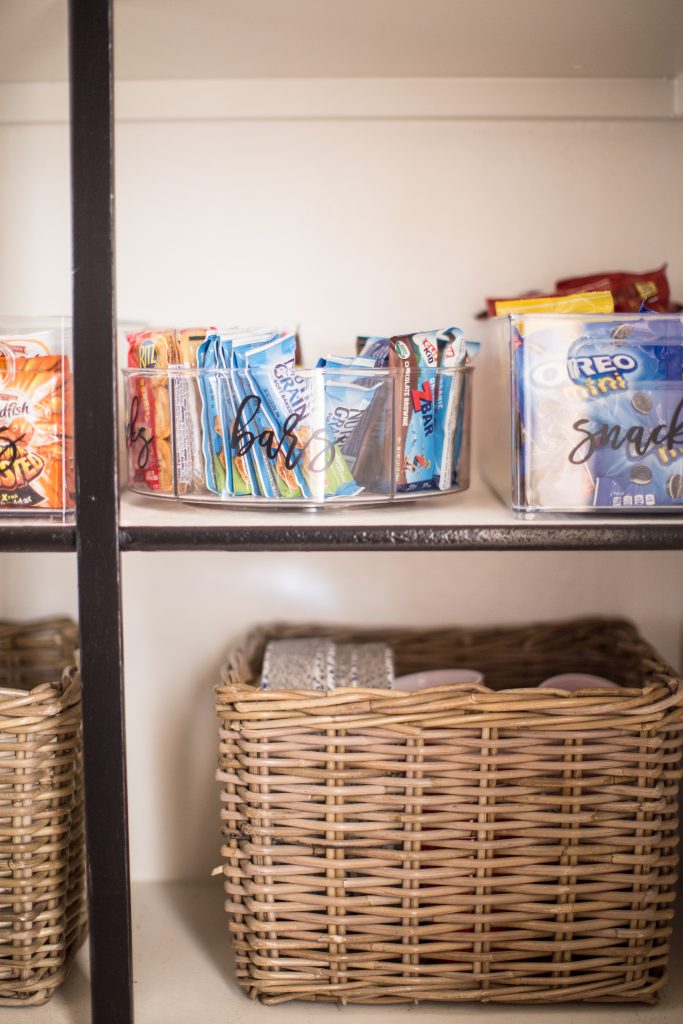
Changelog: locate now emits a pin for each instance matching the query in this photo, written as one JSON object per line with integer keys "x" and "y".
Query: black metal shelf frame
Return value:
{"x": 323, "y": 537}
{"x": 31, "y": 537}
{"x": 99, "y": 591}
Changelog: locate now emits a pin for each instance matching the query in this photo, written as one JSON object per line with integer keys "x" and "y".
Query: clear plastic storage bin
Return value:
{"x": 322, "y": 436}
{"x": 586, "y": 412}
{"x": 36, "y": 417}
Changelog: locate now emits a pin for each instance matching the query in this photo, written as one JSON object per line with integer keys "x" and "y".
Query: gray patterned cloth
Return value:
{"x": 314, "y": 663}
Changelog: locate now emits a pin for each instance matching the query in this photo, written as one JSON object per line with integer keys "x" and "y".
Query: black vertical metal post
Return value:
{"x": 91, "y": 78}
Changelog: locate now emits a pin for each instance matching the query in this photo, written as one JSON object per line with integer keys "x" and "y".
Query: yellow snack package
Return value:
{"x": 582, "y": 302}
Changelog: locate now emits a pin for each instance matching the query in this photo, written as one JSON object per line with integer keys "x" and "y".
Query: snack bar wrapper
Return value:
{"x": 348, "y": 399}
{"x": 455, "y": 355}
{"x": 256, "y": 430}
{"x": 629, "y": 290}
{"x": 295, "y": 437}
{"x": 416, "y": 358}
{"x": 374, "y": 348}
{"x": 215, "y": 449}
{"x": 240, "y": 474}
{"x": 168, "y": 349}
{"x": 36, "y": 427}
{"x": 584, "y": 302}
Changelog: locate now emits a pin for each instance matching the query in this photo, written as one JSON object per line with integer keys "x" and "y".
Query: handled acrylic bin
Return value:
{"x": 586, "y": 412}
{"x": 319, "y": 437}
{"x": 37, "y": 475}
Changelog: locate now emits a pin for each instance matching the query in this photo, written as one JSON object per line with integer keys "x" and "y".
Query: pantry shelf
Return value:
{"x": 190, "y": 916}
{"x": 474, "y": 520}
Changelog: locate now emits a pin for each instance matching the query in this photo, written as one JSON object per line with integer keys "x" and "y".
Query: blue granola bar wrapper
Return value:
{"x": 296, "y": 403}
{"x": 347, "y": 406}
{"x": 242, "y": 474}
{"x": 256, "y": 431}
{"x": 375, "y": 348}
{"x": 454, "y": 355}
{"x": 346, "y": 362}
{"x": 348, "y": 397}
{"x": 253, "y": 473}
{"x": 217, "y": 467}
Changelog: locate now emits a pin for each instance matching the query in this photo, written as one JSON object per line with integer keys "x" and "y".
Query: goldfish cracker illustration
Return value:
{"x": 36, "y": 427}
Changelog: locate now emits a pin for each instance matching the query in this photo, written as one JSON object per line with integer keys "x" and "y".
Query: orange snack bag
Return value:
{"x": 36, "y": 428}
{"x": 152, "y": 463}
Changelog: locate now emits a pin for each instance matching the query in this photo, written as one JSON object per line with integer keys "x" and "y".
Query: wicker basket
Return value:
{"x": 42, "y": 849}
{"x": 510, "y": 846}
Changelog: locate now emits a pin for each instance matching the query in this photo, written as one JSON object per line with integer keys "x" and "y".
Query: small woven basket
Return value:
{"x": 454, "y": 845}
{"x": 42, "y": 848}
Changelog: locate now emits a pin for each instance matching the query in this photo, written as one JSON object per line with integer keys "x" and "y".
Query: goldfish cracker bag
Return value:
{"x": 36, "y": 427}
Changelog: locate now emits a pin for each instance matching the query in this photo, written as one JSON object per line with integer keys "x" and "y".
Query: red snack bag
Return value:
{"x": 630, "y": 291}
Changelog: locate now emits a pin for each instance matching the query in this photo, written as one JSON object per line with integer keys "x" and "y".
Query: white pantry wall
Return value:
{"x": 341, "y": 226}
{"x": 349, "y": 226}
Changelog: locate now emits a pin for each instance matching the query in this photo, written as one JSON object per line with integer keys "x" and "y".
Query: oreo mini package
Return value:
{"x": 416, "y": 358}
{"x": 598, "y": 412}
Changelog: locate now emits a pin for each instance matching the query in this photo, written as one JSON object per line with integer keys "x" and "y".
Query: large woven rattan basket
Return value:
{"x": 510, "y": 846}
{"x": 42, "y": 850}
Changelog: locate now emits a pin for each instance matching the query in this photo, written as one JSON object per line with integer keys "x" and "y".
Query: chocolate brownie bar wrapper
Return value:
{"x": 415, "y": 358}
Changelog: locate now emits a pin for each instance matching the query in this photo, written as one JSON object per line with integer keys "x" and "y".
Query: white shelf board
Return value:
{"x": 183, "y": 973}
{"x": 69, "y": 1005}
{"x": 293, "y": 38}
{"x": 469, "y": 512}
{"x": 475, "y": 505}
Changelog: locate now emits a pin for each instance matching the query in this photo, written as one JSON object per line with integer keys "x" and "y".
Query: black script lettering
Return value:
{"x": 242, "y": 439}
{"x": 668, "y": 435}
{"x": 135, "y": 434}
{"x": 674, "y": 435}
{"x": 325, "y": 454}
{"x": 288, "y": 445}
